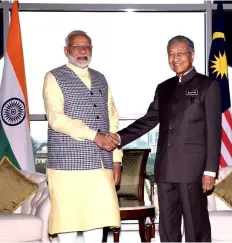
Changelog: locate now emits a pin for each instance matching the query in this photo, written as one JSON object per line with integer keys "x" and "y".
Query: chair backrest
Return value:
{"x": 133, "y": 174}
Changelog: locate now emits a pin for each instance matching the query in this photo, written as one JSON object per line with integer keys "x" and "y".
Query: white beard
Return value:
{"x": 79, "y": 63}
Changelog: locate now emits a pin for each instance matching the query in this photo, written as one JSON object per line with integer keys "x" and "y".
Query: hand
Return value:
{"x": 114, "y": 138}
{"x": 105, "y": 141}
{"x": 207, "y": 183}
{"x": 116, "y": 172}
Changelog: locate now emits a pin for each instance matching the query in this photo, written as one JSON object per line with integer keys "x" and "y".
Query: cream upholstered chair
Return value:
{"x": 29, "y": 223}
{"x": 220, "y": 214}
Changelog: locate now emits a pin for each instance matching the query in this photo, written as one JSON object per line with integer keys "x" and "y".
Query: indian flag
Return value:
{"x": 15, "y": 141}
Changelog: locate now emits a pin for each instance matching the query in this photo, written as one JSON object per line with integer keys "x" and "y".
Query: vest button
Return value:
{"x": 97, "y": 117}
{"x": 91, "y": 92}
{"x": 95, "y": 105}
{"x": 99, "y": 130}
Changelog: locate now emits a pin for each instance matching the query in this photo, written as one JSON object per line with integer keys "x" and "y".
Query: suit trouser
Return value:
{"x": 187, "y": 200}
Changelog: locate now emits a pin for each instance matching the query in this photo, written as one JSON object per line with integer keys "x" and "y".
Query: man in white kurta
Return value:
{"x": 81, "y": 200}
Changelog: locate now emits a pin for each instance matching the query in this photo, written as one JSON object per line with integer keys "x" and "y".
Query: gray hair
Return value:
{"x": 181, "y": 38}
{"x": 76, "y": 32}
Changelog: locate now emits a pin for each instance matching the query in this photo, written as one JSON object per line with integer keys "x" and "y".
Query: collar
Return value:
{"x": 188, "y": 75}
{"x": 80, "y": 71}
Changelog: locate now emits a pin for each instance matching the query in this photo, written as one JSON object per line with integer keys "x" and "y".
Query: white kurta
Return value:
{"x": 80, "y": 200}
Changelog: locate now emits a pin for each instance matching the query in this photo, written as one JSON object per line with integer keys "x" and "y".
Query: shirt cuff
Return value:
{"x": 210, "y": 173}
{"x": 91, "y": 134}
{"x": 117, "y": 155}
{"x": 119, "y": 138}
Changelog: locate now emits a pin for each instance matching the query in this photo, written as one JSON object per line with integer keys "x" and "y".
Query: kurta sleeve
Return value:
{"x": 113, "y": 118}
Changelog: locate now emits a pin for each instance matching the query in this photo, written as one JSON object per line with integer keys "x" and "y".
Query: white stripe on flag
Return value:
{"x": 225, "y": 154}
{"x": 18, "y": 136}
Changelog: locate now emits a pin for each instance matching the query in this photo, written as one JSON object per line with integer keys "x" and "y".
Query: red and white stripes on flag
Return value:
{"x": 218, "y": 70}
{"x": 226, "y": 147}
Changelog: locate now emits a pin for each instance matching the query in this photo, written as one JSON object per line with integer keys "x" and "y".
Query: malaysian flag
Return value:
{"x": 218, "y": 70}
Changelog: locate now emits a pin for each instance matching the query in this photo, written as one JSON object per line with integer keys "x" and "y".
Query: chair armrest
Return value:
{"x": 151, "y": 179}
{"x": 43, "y": 211}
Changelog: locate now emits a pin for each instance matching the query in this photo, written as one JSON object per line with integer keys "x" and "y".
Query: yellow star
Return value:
{"x": 220, "y": 65}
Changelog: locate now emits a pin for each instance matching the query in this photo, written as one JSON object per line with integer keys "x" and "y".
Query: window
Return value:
{"x": 39, "y": 143}
{"x": 148, "y": 140}
{"x": 128, "y": 48}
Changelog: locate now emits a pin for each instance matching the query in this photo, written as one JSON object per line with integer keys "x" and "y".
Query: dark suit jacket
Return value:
{"x": 189, "y": 113}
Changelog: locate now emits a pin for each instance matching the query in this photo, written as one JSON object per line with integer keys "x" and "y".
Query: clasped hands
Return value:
{"x": 107, "y": 141}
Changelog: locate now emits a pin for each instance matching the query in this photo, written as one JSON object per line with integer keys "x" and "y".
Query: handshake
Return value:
{"x": 107, "y": 141}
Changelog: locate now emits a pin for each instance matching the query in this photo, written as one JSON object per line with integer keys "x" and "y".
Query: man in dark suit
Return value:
{"x": 188, "y": 109}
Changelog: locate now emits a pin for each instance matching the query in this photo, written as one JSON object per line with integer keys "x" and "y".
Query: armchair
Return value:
{"x": 220, "y": 214}
{"x": 130, "y": 191}
{"x": 29, "y": 223}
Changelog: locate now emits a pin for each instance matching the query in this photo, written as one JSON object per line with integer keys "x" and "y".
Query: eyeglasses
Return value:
{"x": 75, "y": 47}
{"x": 179, "y": 55}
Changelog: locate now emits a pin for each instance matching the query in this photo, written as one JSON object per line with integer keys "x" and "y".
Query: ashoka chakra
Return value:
{"x": 13, "y": 112}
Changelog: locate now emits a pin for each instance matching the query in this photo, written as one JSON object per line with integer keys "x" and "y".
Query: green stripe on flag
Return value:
{"x": 5, "y": 148}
